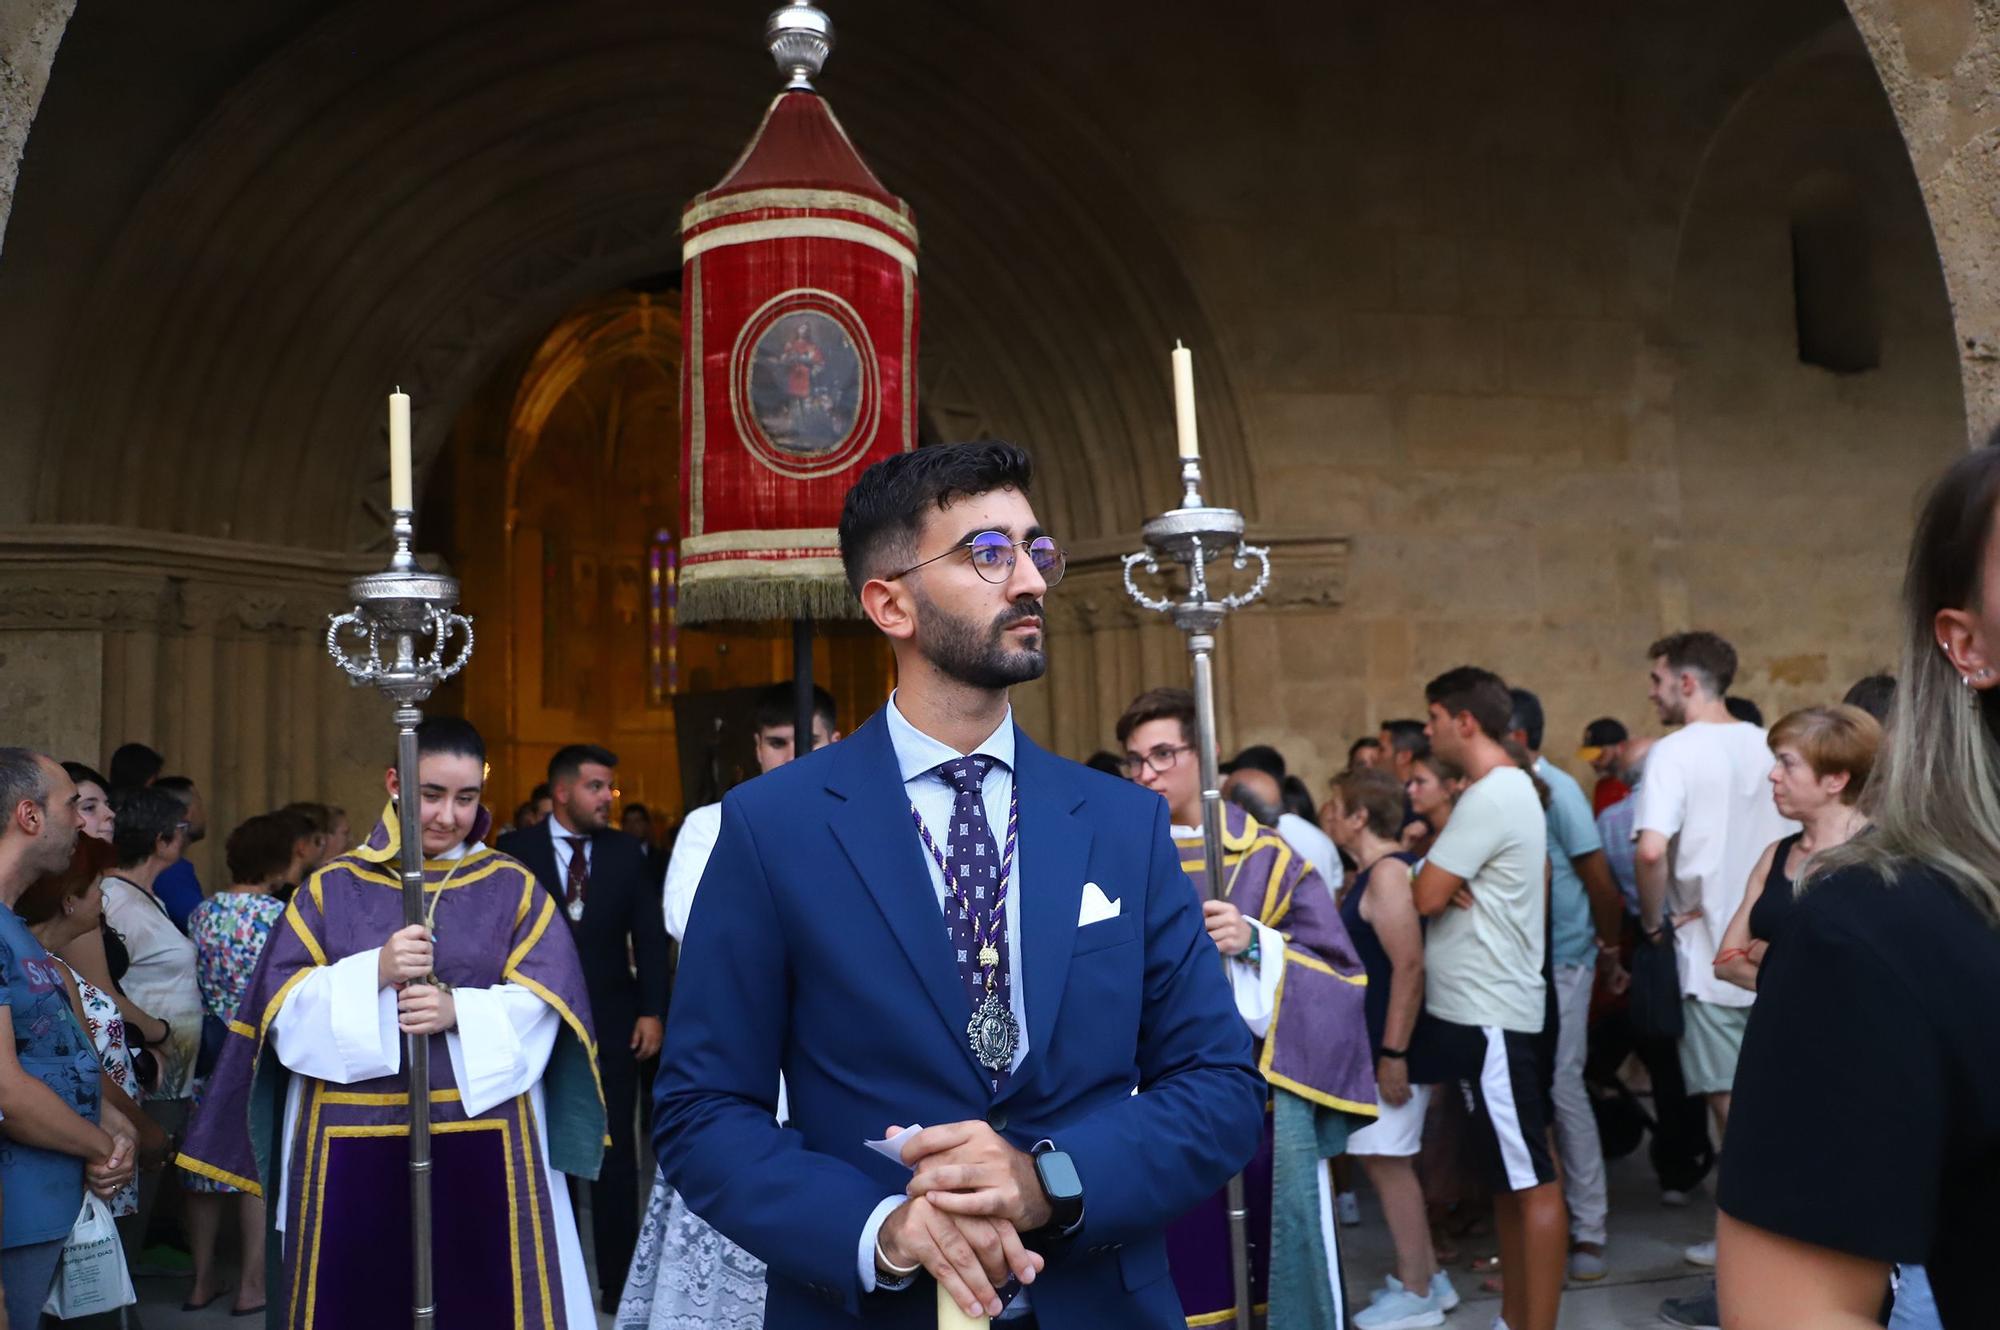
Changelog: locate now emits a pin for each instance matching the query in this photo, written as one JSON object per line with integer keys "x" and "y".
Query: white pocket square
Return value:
{"x": 1095, "y": 909}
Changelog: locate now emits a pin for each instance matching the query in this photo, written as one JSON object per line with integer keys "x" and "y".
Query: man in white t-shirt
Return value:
{"x": 775, "y": 722}
{"x": 1703, "y": 817}
{"x": 1486, "y": 885}
{"x": 1260, "y": 792}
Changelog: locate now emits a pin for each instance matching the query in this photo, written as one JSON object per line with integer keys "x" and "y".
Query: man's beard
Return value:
{"x": 962, "y": 650}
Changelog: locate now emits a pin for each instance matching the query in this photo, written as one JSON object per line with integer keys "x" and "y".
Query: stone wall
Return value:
{"x": 212, "y": 652}
{"x": 30, "y": 31}
{"x": 1506, "y": 296}
{"x": 1492, "y": 305}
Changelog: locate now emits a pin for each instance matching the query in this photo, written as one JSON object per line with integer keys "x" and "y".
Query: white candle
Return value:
{"x": 399, "y": 451}
{"x": 1184, "y": 401}
{"x": 951, "y": 1316}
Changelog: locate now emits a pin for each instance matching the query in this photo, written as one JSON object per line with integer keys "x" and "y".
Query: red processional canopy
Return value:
{"x": 799, "y": 314}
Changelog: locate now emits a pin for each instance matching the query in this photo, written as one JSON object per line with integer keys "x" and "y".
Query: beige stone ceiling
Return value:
{"x": 408, "y": 194}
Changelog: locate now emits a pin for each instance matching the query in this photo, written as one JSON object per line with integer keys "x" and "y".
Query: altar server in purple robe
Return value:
{"x": 309, "y": 1103}
{"x": 1301, "y": 990}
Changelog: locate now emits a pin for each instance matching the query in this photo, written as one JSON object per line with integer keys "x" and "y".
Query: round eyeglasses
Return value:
{"x": 992, "y": 556}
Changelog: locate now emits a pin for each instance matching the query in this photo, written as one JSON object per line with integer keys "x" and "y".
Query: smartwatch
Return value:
{"x": 1058, "y": 1176}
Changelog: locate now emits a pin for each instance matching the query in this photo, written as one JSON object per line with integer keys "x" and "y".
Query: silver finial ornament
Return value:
{"x": 800, "y": 37}
{"x": 1197, "y": 537}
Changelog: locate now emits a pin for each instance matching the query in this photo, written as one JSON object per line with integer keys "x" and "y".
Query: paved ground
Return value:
{"x": 1644, "y": 1255}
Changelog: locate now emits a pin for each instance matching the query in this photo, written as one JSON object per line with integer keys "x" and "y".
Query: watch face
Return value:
{"x": 1059, "y": 1177}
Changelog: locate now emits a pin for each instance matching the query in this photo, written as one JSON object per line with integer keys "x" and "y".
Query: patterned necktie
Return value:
{"x": 578, "y": 876}
{"x": 974, "y": 859}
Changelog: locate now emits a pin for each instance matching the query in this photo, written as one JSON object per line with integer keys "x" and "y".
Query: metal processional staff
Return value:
{"x": 405, "y": 619}
{"x": 1192, "y": 537}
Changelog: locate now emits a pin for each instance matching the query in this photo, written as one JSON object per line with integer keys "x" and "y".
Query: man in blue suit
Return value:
{"x": 938, "y": 922}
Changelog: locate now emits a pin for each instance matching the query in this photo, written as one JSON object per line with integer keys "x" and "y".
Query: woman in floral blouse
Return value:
{"x": 229, "y": 930}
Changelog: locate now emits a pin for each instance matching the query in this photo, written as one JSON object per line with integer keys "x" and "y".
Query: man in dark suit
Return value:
{"x": 611, "y": 898}
{"x": 867, "y": 928}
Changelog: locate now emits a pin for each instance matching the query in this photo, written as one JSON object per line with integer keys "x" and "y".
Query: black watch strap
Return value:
{"x": 1062, "y": 1185}
{"x": 1397, "y": 1053}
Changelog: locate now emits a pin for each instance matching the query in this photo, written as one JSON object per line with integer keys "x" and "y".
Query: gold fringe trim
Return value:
{"x": 712, "y": 598}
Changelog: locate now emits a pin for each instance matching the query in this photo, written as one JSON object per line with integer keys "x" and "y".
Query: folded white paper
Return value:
{"x": 1095, "y": 908}
{"x": 892, "y": 1148}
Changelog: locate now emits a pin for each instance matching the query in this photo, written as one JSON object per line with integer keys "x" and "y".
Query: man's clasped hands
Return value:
{"x": 972, "y": 1197}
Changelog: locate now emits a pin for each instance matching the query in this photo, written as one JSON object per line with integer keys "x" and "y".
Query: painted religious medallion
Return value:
{"x": 803, "y": 384}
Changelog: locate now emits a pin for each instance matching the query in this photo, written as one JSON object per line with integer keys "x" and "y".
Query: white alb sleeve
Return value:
{"x": 502, "y": 1044}
{"x": 1256, "y": 986}
{"x": 339, "y": 1024}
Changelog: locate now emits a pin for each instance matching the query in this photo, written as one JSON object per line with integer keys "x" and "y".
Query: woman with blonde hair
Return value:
{"x": 1873, "y": 1035}
{"x": 1824, "y": 757}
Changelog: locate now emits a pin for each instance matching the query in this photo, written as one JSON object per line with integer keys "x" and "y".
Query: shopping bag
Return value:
{"x": 92, "y": 1276}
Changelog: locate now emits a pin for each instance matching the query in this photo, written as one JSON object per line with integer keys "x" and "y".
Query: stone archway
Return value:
{"x": 1429, "y": 260}
{"x": 491, "y": 195}
{"x": 1938, "y": 63}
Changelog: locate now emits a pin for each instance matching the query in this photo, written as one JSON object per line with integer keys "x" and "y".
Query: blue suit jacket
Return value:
{"x": 816, "y": 946}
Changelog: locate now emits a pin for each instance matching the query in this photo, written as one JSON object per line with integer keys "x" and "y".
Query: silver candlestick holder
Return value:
{"x": 1194, "y": 536}
{"x": 402, "y": 627}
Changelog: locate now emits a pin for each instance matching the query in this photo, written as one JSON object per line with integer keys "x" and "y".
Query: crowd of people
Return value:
{"x": 107, "y": 918}
{"x": 1462, "y": 977}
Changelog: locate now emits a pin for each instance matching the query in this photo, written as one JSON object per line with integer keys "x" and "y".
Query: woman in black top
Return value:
{"x": 1824, "y": 757}
{"x": 1873, "y": 1035}
{"x": 1365, "y": 816}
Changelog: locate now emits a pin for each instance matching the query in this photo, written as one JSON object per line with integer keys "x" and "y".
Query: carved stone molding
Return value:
{"x": 76, "y": 600}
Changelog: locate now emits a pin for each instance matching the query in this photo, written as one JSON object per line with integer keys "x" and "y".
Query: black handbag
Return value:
{"x": 1655, "y": 1007}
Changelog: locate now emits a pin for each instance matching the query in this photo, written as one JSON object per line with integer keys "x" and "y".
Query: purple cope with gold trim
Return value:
{"x": 346, "y": 1224}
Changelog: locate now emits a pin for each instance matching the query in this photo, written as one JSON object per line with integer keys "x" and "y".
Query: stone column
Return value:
{"x": 1938, "y": 61}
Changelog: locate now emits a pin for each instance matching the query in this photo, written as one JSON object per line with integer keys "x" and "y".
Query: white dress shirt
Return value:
{"x": 917, "y": 756}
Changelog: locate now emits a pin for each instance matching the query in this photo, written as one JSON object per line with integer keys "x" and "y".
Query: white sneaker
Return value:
{"x": 1348, "y": 1208}
{"x": 1702, "y": 1254}
{"x": 1399, "y": 1309}
{"x": 1441, "y": 1289}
